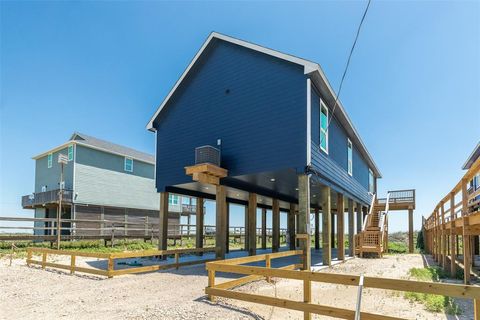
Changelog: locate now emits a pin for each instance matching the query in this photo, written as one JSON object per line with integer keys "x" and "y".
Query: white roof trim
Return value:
{"x": 309, "y": 68}
{"x": 308, "y": 65}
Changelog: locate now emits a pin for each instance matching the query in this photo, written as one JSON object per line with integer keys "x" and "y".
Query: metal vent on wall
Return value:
{"x": 207, "y": 154}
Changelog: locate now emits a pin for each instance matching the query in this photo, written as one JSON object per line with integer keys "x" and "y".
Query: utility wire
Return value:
{"x": 346, "y": 67}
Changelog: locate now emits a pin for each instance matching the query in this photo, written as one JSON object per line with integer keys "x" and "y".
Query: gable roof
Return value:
{"x": 473, "y": 156}
{"x": 310, "y": 68}
{"x": 103, "y": 145}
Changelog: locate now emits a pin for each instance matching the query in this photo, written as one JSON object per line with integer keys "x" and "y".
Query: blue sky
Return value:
{"x": 102, "y": 68}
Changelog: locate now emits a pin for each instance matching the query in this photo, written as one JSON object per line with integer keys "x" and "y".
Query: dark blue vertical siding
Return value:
{"x": 334, "y": 166}
{"x": 255, "y": 103}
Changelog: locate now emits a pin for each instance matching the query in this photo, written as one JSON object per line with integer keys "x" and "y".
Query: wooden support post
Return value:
{"x": 227, "y": 228}
{"x": 268, "y": 264}
{"x": 307, "y": 297}
{"x": 332, "y": 236}
{"x": 453, "y": 252}
{"x": 410, "y": 230}
{"x": 275, "y": 225}
{"x": 110, "y": 267}
{"x": 252, "y": 224}
{"x": 199, "y": 223}
{"x": 304, "y": 218}
{"x": 264, "y": 228}
{"x": 44, "y": 260}
{"x": 72, "y": 264}
{"x": 163, "y": 227}
{"x": 291, "y": 226}
{"x": 467, "y": 252}
{"x": 359, "y": 217}
{"x": 476, "y": 309}
{"x": 326, "y": 227}
{"x": 245, "y": 230}
{"x": 444, "y": 237}
{"x": 340, "y": 227}
{"x": 220, "y": 220}
{"x": 317, "y": 229}
{"x": 177, "y": 260}
{"x": 351, "y": 229}
{"x": 211, "y": 283}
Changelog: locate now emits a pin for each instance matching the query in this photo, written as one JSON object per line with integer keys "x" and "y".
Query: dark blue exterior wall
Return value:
{"x": 334, "y": 165}
{"x": 254, "y": 103}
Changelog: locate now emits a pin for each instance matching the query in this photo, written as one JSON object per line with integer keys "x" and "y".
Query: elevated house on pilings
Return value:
{"x": 107, "y": 189}
{"x": 283, "y": 145}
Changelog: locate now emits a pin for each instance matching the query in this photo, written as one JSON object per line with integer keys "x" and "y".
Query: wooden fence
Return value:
{"x": 306, "y": 306}
{"x": 110, "y": 271}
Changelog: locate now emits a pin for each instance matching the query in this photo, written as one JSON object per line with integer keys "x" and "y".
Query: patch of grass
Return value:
{"x": 397, "y": 247}
{"x": 432, "y": 302}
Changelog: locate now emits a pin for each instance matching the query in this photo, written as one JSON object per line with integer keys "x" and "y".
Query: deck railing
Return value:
{"x": 253, "y": 273}
{"x": 399, "y": 197}
{"x": 52, "y": 196}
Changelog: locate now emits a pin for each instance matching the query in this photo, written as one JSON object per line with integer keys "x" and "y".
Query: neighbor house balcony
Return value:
{"x": 45, "y": 198}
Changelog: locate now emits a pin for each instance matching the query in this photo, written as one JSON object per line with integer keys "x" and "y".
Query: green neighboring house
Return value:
{"x": 102, "y": 181}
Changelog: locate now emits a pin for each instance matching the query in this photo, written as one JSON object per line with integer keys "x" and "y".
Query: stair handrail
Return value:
{"x": 384, "y": 214}
{"x": 372, "y": 204}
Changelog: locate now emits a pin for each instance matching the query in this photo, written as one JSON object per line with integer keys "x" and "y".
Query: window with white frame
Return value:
{"x": 70, "y": 152}
{"x": 128, "y": 165}
{"x": 173, "y": 199}
{"x": 350, "y": 156}
{"x": 323, "y": 127}
{"x": 371, "y": 181}
{"x": 49, "y": 160}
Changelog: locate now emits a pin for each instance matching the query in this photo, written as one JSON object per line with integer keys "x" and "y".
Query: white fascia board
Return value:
{"x": 308, "y": 65}
{"x": 60, "y": 147}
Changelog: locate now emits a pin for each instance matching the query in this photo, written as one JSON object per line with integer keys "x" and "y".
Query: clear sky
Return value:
{"x": 102, "y": 68}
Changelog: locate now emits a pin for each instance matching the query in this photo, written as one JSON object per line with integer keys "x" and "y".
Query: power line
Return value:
{"x": 346, "y": 67}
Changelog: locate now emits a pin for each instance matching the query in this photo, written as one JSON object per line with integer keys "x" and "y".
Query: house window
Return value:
{"x": 49, "y": 160}
{"x": 128, "y": 164}
{"x": 350, "y": 157}
{"x": 323, "y": 127}
{"x": 173, "y": 199}
{"x": 371, "y": 181}
{"x": 70, "y": 153}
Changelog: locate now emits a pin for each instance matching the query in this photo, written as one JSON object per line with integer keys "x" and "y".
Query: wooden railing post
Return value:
{"x": 72, "y": 264}
{"x": 177, "y": 257}
{"x": 29, "y": 256}
{"x": 111, "y": 263}
{"x": 307, "y": 297}
{"x": 268, "y": 264}
{"x": 44, "y": 259}
{"x": 476, "y": 309}
{"x": 211, "y": 283}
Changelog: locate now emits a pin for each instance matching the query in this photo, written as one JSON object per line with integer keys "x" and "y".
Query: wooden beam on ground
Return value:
{"x": 199, "y": 223}
{"x": 340, "y": 227}
{"x": 326, "y": 226}
{"x": 221, "y": 221}
{"x": 317, "y": 229}
{"x": 163, "y": 221}
{"x": 264, "y": 228}
{"x": 275, "y": 225}
{"x": 351, "y": 229}
{"x": 304, "y": 218}
{"x": 252, "y": 224}
{"x": 291, "y": 226}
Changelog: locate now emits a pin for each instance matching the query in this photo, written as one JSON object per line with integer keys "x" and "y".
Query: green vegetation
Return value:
{"x": 432, "y": 302}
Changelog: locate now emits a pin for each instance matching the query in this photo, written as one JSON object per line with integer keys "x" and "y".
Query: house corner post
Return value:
{"x": 326, "y": 226}
{"x": 221, "y": 221}
{"x": 252, "y": 224}
{"x": 291, "y": 226}
{"x": 199, "y": 223}
{"x": 351, "y": 229}
{"x": 163, "y": 222}
{"x": 340, "y": 227}
{"x": 317, "y": 229}
{"x": 275, "y": 225}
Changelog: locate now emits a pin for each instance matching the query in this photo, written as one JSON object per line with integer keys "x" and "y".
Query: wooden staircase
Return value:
{"x": 374, "y": 235}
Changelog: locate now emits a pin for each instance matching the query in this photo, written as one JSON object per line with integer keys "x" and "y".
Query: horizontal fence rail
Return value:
{"x": 110, "y": 271}
{"x": 253, "y": 273}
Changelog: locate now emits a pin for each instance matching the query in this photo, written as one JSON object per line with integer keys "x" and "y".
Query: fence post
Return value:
{"x": 29, "y": 256}
{"x": 307, "y": 297}
{"x": 44, "y": 259}
{"x": 110, "y": 266}
{"x": 177, "y": 256}
{"x": 476, "y": 309}
{"x": 268, "y": 264}
{"x": 72, "y": 264}
{"x": 211, "y": 283}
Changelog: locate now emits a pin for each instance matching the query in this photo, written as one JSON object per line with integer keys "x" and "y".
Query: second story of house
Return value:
{"x": 98, "y": 172}
{"x": 273, "y": 115}
{"x": 474, "y": 184}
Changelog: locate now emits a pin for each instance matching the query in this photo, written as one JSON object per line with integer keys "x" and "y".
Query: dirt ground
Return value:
{"x": 32, "y": 293}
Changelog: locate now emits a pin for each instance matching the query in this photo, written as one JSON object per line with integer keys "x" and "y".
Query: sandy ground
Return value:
{"x": 31, "y": 293}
